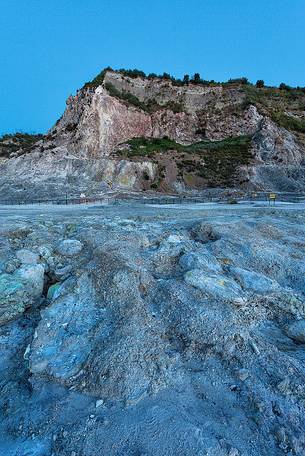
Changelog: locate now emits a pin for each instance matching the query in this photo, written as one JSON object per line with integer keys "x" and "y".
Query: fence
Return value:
{"x": 292, "y": 197}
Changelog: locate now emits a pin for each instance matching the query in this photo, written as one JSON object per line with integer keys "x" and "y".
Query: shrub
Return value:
{"x": 126, "y": 96}
{"x": 25, "y": 142}
{"x": 186, "y": 79}
{"x": 284, "y": 86}
{"x": 99, "y": 79}
{"x": 260, "y": 84}
{"x": 196, "y": 78}
{"x": 289, "y": 122}
{"x": 243, "y": 81}
{"x": 132, "y": 73}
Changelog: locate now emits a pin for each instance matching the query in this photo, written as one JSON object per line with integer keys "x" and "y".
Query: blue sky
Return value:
{"x": 49, "y": 48}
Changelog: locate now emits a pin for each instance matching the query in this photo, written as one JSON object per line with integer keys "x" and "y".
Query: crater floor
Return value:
{"x": 142, "y": 330}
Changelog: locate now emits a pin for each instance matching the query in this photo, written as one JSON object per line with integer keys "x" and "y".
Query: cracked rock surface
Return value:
{"x": 138, "y": 330}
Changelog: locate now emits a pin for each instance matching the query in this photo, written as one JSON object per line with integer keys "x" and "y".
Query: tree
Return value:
{"x": 284, "y": 86}
{"x": 186, "y": 79}
{"x": 243, "y": 81}
{"x": 196, "y": 78}
{"x": 260, "y": 83}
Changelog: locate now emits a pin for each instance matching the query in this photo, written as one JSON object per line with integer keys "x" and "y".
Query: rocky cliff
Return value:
{"x": 150, "y": 133}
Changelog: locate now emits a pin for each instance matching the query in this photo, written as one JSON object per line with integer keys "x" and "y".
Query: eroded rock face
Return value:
{"x": 79, "y": 155}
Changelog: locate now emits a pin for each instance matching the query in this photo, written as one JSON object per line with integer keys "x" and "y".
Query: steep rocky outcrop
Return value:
{"x": 82, "y": 152}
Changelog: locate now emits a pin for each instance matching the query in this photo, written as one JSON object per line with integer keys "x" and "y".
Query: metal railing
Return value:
{"x": 293, "y": 197}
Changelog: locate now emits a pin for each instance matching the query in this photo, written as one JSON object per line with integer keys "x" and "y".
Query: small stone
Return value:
{"x": 12, "y": 265}
{"x": 65, "y": 433}
{"x": 233, "y": 452}
{"x": 99, "y": 402}
{"x": 254, "y": 347}
{"x": 62, "y": 273}
{"x": 52, "y": 289}
{"x": 242, "y": 374}
{"x": 44, "y": 251}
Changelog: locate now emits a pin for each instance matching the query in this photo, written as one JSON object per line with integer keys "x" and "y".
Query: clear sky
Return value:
{"x": 49, "y": 48}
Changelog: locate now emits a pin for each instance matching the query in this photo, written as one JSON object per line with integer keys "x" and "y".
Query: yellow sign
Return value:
{"x": 272, "y": 196}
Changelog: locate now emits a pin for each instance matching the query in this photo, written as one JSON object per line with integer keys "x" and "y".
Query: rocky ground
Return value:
{"x": 143, "y": 331}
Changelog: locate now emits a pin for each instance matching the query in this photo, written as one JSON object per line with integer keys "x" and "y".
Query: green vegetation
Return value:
{"x": 11, "y": 143}
{"x": 284, "y": 86}
{"x": 214, "y": 161}
{"x": 277, "y": 103}
{"x": 126, "y": 96}
{"x": 260, "y": 83}
{"x": 242, "y": 81}
{"x": 195, "y": 79}
{"x": 98, "y": 80}
{"x": 289, "y": 122}
{"x": 148, "y": 146}
{"x": 149, "y": 106}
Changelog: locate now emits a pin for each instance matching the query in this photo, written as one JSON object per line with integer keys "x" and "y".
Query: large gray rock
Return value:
{"x": 296, "y": 331}
{"x": 14, "y": 297}
{"x": 27, "y": 257}
{"x": 200, "y": 260}
{"x": 69, "y": 247}
{"x": 63, "y": 339}
{"x": 253, "y": 281}
{"x": 18, "y": 290}
{"x": 216, "y": 285}
{"x": 32, "y": 276}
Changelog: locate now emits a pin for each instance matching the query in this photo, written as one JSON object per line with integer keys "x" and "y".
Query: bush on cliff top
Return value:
{"x": 10, "y": 143}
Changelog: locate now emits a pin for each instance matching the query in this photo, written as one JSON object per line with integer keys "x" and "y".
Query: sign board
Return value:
{"x": 272, "y": 196}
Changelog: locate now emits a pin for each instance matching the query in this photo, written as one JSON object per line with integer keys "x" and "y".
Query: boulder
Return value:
{"x": 199, "y": 260}
{"x": 69, "y": 247}
{"x": 203, "y": 232}
{"x": 64, "y": 333}
{"x": 216, "y": 285}
{"x": 32, "y": 275}
{"x": 254, "y": 281}
{"x": 27, "y": 257}
{"x": 296, "y": 331}
{"x": 14, "y": 297}
{"x": 62, "y": 273}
